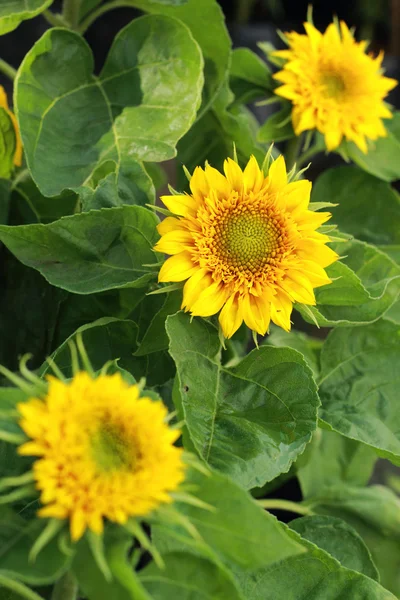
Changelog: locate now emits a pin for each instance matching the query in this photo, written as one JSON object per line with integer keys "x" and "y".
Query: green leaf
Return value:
{"x": 11, "y": 589}
{"x": 383, "y": 157}
{"x": 250, "y": 421}
{"x": 89, "y": 252}
{"x": 365, "y": 285}
{"x": 278, "y": 127}
{"x": 105, "y": 340}
{"x": 73, "y": 124}
{"x": 32, "y": 207}
{"x": 331, "y": 458}
{"x": 250, "y": 77}
{"x": 374, "y": 513}
{"x": 155, "y": 337}
{"x": 237, "y": 529}
{"x": 13, "y": 13}
{"x": 367, "y": 208}
{"x": 313, "y": 576}
{"x": 29, "y": 301}
{"x": 340, "y": 540}
{"x": 5, "y": 190}
{"x": 124, "y": 585}
{"x": 359, "y": 385}
{"x": 212, "y": 137}
{"x": 7, "y": 144}
{"x": 308, "y": 346}
{"x": 206, "y": 21}
{"x": 188, "y": 577}
{"x": 17, "y": 537}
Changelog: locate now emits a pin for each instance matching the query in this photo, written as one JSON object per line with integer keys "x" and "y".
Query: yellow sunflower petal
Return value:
{"x": 170, "y": 224}
{"x": 217, "y": 182}
{"x": 177, "y": 268}
{"x": 210, "y": 300}
{"x": 256, "y": 313}
{"x": 182, "y": 205}
{"x": 174, "y": 241}
{"x": 253, "y": 177}
{"x": 234, "y": 174}
{"x": 277, "y": 176}
{"x": 198, "y": 282}
{"x": 281, "y": 309}
{"x": 231, "y": 317}
{"x": 198, "y": 184}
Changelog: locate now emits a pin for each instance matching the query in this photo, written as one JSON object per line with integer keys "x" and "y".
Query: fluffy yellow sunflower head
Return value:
{"x": 246, "y": 244}
{"x": 335, "y": 87}
{"x": 104, "y": 452}
{"x": 18, "y": 147}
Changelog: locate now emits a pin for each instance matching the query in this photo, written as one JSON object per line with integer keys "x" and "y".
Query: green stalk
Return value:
{"x": 86, "y": 23}
{"x": 304, "y": 159}
{"x": 71, "y": 10}
{"x": 7, "y": 69}
{"x": 277, "y": 504}
{"x": 66, "y": 588}
{"x": 244, "y": 11}
{"x": 292, "y": 150}
{"x": 55, "y": 19}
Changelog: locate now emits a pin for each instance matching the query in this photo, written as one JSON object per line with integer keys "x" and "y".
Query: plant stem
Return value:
{"x": 66, "y": 588}
{"x": 86, "y": 23}
{"x": 7, "y": 69}
{"x": 55, "y": 19}
{"x": 292, "y": 150}
{"x": 137, "y": 588}
{"x": 303, "y": 159}
{"x": 287, "y": 505}
{"x": 71, "y": 10}
{"x": 244, "y": 11}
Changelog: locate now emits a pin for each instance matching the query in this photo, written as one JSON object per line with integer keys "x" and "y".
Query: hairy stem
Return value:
{"x": 277, "y": 504}
{"x": 304, "y": 159}
{"x": 66, "y": 588}
{"x": 7, "y": 69}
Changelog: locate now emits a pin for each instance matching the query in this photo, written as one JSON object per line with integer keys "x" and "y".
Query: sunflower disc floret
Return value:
{"x": 334, "y": 86}
{"x": 245, "y": 244}
{"x": 103, "y": 451}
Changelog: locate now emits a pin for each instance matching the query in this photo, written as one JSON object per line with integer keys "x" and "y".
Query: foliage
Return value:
{"x": 78, "y": 226}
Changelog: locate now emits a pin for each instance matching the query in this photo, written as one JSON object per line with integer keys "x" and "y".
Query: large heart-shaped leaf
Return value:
{"x": 17, "y": 537}
{"x": 315, "y": 575}
{"x": 188, "y": 577}
{"x": 366, "y": 283}
{"x": 374, "y": 513}
{"x": 367, "y": 208}
{"x": 339, "y": 539}
{"x": 333, "y": 458}
{"x": 250, "y": 421}
{"x": 14, "y": 11}
{"x": 80, "y": 130}
{"x": 359, "y": 385}
{"x": 236, "y": 529}
{"x": 206, "y": 21}
{"x": 383, "y": 156}
{"x": 89, "y": 252}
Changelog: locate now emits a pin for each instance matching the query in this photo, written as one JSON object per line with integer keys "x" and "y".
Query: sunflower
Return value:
{"x": 104, "y": 452}
{"x": 18, "y": 147}
{"x": 334, "y": 86}
{"x": 246, "y": 244}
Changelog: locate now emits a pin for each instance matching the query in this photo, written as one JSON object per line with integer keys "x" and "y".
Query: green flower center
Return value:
{"x": 110, "y": 451}
{"x": 247, "y": 240}
{"x": 333, "y": 84}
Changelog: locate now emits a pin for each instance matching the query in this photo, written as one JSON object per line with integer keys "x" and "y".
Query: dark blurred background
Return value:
{"x": 248, "y": 20}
